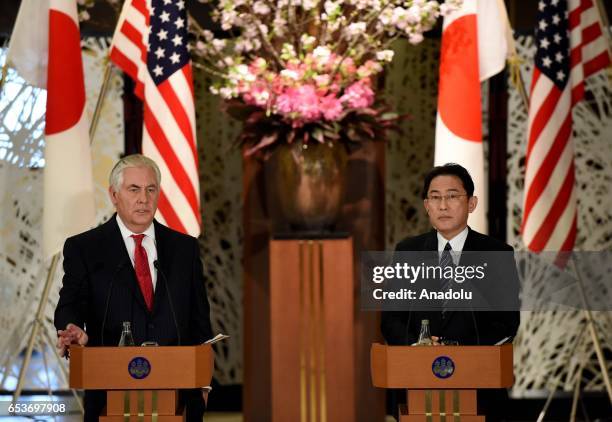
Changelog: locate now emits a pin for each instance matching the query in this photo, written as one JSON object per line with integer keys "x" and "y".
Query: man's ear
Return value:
{"x": 426, "y": 205}
{"x": 472, "y": 203}
{"x": 111, "y": 195}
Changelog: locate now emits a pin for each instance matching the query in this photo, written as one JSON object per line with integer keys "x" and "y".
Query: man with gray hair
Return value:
{"x": 132, "y": 268}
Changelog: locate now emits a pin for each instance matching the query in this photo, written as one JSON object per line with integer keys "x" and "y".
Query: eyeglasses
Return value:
{"x": 451, "y": 198}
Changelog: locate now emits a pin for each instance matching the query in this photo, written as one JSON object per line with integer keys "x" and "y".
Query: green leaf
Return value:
{"x": 389, "y": 116}
{"x": 318, "y": 134}
{"x": 334, "y": 136}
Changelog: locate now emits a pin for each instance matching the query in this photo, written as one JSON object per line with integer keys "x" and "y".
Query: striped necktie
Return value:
{"x": 446, "y": 260}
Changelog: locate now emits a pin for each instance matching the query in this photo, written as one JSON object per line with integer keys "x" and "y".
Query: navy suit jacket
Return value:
{"x": 466, "y": 327}
{"x": 97, "y": 269}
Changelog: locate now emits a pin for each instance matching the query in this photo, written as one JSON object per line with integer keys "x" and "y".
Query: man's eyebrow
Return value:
{"x": 447, "y": 190}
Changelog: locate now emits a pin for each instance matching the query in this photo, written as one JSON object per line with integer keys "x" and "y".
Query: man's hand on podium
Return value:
{"x": 435, "y": 341}
{"x": 71, "y": 335}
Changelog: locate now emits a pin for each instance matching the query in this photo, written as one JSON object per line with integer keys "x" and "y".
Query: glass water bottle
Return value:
{"x": 126, "y": 335}
{"x": 425, "y": 334}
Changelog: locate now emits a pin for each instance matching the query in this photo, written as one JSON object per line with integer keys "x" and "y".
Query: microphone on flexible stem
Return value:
{"x": 407, "y": 329}
{"x": 170, "y": 301}
{"x": 108, "y": 296}
{"x": 475, "y": 327}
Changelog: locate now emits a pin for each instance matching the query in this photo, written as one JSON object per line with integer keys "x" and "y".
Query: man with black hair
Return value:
{"x": 448, "y": 197}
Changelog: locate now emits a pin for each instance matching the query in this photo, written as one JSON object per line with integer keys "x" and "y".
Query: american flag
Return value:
{"x": 150, "y": 45}
{"x": 570, "y": 47}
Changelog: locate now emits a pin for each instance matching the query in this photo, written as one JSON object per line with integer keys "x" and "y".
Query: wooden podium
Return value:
{"x": 142, "y": 382}
{"x": 312, "y": 330}
{"x": 441, "y": 380}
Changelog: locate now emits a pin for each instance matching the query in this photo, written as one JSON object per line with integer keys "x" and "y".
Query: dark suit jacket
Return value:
{"x": 97, "y": 268}
{"x": 466, "y": 327}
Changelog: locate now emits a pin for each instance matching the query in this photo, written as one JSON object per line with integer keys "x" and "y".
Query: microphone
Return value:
{"x": 475, "y": 327}
{"x": 170, "y": 301}
{"x": 407, "y": 329}
{"x": 108, "y": 296}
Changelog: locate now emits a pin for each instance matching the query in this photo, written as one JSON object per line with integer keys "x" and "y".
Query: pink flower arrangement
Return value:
{"x": 309, "y": 90}
{"x": 306, "y": 70}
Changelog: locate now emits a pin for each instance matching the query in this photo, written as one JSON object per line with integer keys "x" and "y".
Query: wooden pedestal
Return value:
{"x": 311, "y": 330}
{"x": 440, "y": 403}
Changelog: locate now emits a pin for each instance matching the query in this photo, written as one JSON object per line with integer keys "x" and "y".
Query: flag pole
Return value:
{"x": 605, "y": 24}
{"x": 100, "y": 101}
{"x": 4, "y": 70}
{"x": 3, "y": 76}
{"x": 36, "y": 326}
{"x": 101, "y": 97}
{"x": 605, "y": 27}
{"x": 557, "y": 380}
{"x": 593, "y": 332}
{"x": 514, "y": 60}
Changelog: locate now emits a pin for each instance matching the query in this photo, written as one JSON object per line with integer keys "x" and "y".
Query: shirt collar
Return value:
{"x": 456, "y": 242}
{"x": 125, "y": 232}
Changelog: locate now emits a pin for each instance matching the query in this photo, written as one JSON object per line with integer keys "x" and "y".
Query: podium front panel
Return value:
{"x": 414, "y": 367}
{"x": 141, "y": 368}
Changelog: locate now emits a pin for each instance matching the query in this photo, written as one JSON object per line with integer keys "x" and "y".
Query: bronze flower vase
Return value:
{"x": 309, "y": 181}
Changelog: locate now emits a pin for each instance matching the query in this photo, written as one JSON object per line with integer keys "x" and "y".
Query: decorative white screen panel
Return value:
{"x": 550, "y": 344}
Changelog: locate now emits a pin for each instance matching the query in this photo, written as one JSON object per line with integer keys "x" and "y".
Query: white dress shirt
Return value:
{"x": 148, "y": 242}
{"x": 456, "y": 242}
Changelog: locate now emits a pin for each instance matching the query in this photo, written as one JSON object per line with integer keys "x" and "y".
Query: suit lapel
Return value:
{"x": 431, "y": 241}
{"x": 163, "y": 260}
{"x": 114, "y": 246}
{"x": 470, "y": 241}
{"x": 471, "y": 245}
{"x": 430, "y": 245}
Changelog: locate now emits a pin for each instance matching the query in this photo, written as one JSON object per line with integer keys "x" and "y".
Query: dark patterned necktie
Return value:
{"x": 446, "y": 260}
{"x": 143, "y": 273}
